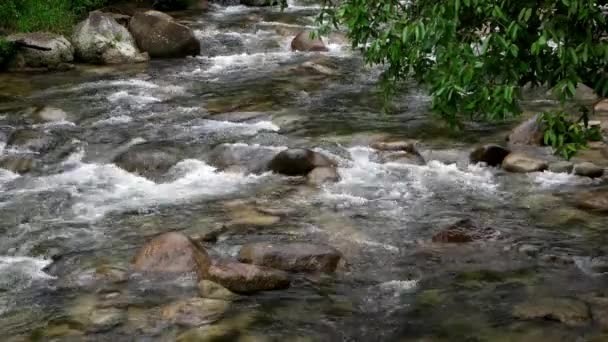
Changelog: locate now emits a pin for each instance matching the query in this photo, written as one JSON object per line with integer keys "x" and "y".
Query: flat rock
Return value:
{"x": 588, "y": 169}
{"x": 171, "y": 253}
{"x": 294, "y": 256}
{"x": 246, "y": 278}
{"x": 517, "y": 162}
{"x": 195, "y": 311}
{"x": 561, "y": 167}
{"x": 568, "y": 311}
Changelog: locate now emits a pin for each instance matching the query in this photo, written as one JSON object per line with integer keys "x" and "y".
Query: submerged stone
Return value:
{"x": 303, "y": 42}
{"x": 561, "y": 167}
{"x": 194, "y": 312}
{"x": 294, "y": 256}
{"x": 209, "y": 289}
{"x": 298, "y": 162}
{"x": 246, "y": 278}
{"x": 568, "y": 311}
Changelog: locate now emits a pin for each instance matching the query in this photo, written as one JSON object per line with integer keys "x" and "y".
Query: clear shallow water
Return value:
{"x": 249, "y": 91}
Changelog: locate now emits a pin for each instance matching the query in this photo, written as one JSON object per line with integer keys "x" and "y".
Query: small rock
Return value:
{"x": 171, "y": 253}
{"x": 32, "y": 140}
{"x": 295, "y": 256}
{"x": 568, "y": 311}
{"x": 561, "y": 167}
{"x": 246, "y": 278}
{"x": 517, "y": 162}
{"x": 245, "y": 158}
{"x": 209, "y": 289}
{"x": 492, "y": 155}
{"x": 320, "y": 175}
{"x": 303, "y": 42}
{"x": 49, "y": 114}
{"x": 17, "y": 164}
{"x": 530, "y": 132}
{"x": 298, "y": 162}
{"x": 587, "y": 169}
{"x": 403, "y": 157}
{"x": 529, "y": 250}
{"x": 321, "y": 69}
{"x": 151, "y": 160}
{"x": 593, "y": 200}
{"x": 160, "y": 35}
{"x": 105, "y": 319}
{"x": 194, "y": 312}
{"x": 394, "y": 146}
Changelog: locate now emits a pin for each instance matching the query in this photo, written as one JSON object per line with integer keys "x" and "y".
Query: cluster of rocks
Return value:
{"x": 101, "y": 39}
{"x": 260, "y": 266}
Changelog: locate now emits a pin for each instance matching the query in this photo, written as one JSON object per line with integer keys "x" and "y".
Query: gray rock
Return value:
{"x": 99, "y": 39}
{"x": 587, "y": 169}
{"x": 396, "y": 146}
{"x": 561, "y": 167}
{"x": 298, "y": 162}
{"x": 492, "y": 155}
{"x": 161, "y": 36}
{"x": 150, "y": 160}
{"x": 568, "y": 311}
{"x": 303, "y": 42}
{"x": 517, "y": 162}
{"x": 61, "y": 51}
{"x": 48, "y": 114}
{"x": 324, "y": 174}
{"x": 33, "y": 140}
{"x": 241, "y": 158}
{"x": 295, "y": 256}
{"x": 530, "y": 132}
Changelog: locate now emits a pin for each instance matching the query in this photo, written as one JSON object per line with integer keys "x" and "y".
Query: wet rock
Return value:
{"x": 17, "y": 164}
{"x": 101, "y": 40}
{"x": 320, "y": 175}
{"x": 49, "y": 114}
{"x": 31, "y": 140}
{"x": 173, "y": 5}
{"x": 517, "y": 162}
{"x": 105, "y": 319}
{"x": 151, "y": 160}
{"x": 403, "y": 158}
{"x": 161, "y": 36}
{"x": 492, "y": 155}
{"x": 171, "y": 253}
{"x": 260, "y": 3}
{"x": 568, "y": 311}
{"x": 61, "y": 51}
{"x": 246, "y": 278}
{"x": 561, "y": 167}
{"x": 303, "y": 42}
{"x": 298, "y": 162}
{"x": 246, "y": 214}
{"x": 241, "y": 158}
{"x": 530, "y": 132}
{"x": 319, "y": 68}
{"x": 228, "y": 329}
{"x": 529, "y": 250}
{"x": 112, "y": 274}
{"x": 593, "y": 200}
{"x": 194, "y": 312}
{"x": 394, "y": 146}
{"x": 295, "y": 256}
{"x": 64, "y": 331}
{"x": 209, "y": 289}
{"x": 122, "y": 19}
{"x": 463, "y": 231}
{"x": 587, "y": 169}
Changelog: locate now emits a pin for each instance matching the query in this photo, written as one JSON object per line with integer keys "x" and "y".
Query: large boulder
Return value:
{"x": 99, "y": 39}
{"x": 492, "y": 155}
{"x": 56, "y": 50}
{"x": 241, "y": 158}
{"x": 298, "y": 162}
{"x": 151, "y": 160}
{"x": 245, "y": 278}
{"x": 160, "y": 35}
{"x": 296, "y": 256}
{"x": 529, "y": 132}
{"x": 303, "y": 42}
{"x": 171, "y": 253}
{"x": 517, "y": 162}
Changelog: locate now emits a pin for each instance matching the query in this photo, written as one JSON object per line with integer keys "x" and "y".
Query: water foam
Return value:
{"x": 19, "y": 272}
{"x": 548, "y": 179}
{"x": 240, "y": 127}
{"x": 114, "y": 120}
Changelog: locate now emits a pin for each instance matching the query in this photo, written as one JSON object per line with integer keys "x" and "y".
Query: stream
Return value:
{"x": 77, "y": 213}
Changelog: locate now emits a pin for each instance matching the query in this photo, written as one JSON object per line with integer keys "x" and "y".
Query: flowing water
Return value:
{"x": 77, "y": 213}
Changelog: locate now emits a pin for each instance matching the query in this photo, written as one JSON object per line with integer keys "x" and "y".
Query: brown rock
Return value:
{"x": 17, "y": 164}
{"x": 195, "y": 311}
{"x": 517, "y": 162}
{"x": 245, "y": 278}
{"x": 593, "y": 200}
{"x": 171, "y": 253}
{"x": 602, "y": 106}
{"x": 303, "y": 42}
{"x": 568, "y": 311}
{"x": 296, "y": 256}
{"x": 160, "y": 35}
{"x": 492, "y": 155}
{"x": 407, "y": 146}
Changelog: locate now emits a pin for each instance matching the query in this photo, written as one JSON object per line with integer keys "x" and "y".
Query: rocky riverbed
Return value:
{"x": 257, "y": 192}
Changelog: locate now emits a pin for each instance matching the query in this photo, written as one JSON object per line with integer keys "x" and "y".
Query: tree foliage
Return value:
{"x": 476, "y": 55}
